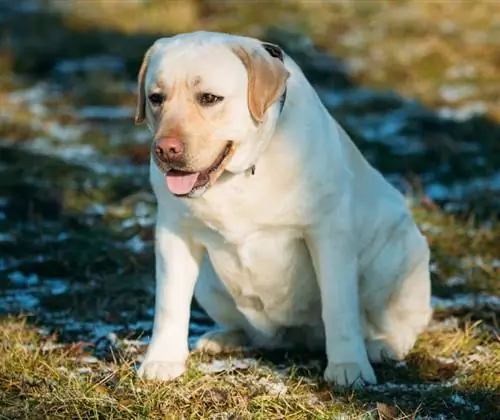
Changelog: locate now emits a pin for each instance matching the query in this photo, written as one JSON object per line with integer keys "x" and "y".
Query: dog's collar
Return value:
{"x": 282, "y": 100}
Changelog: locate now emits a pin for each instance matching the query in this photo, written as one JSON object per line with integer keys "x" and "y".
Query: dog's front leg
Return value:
{"x": 336, "y": 270}
{"x": 177, "y": 267}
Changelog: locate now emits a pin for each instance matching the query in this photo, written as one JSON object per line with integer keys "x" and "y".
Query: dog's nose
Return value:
{"x": 170, "y": 149}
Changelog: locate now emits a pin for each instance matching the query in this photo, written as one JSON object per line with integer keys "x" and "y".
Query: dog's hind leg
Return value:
{"x": 397, "y": 298}
{"x": 219, "y": 305}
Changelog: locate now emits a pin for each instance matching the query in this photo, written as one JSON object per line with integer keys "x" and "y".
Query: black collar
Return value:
{"x": 282, "y": 100}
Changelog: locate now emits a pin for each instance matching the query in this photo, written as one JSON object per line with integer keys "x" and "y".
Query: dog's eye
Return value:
{"x": 156, "y": 98}
{"x": 208, "y": 99}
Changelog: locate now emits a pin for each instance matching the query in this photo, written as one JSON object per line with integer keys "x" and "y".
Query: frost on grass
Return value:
{"x": 460, "y": 400}
{"x": 227, "y": 365}
{"x": 467, "y": 301}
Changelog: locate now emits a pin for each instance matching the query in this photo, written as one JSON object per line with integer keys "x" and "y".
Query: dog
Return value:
{"x": 269, "y": 215}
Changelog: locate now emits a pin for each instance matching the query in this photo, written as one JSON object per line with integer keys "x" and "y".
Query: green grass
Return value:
{"x": 69, "y": 218}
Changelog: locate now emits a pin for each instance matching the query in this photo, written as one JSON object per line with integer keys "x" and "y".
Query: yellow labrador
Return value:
{"x": 269, "y": 215}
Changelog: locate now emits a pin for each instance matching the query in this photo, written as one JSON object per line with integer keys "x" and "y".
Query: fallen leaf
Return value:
{"x": 387, "y": 412}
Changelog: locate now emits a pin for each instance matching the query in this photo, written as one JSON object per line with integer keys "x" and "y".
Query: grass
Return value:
{"x": 76, "y": 212}
{"x": 67, "y": 382}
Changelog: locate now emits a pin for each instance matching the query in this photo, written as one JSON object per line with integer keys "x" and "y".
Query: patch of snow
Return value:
{"x": 142, "y": 210}
{"x": 64, "y": 133}
{"x": 105, "y": 113}
{"x": 467, "y": 301}
{"x": 62, "y": 236}
{"x": 460, "y": 71}
{"x": 78, "y": 153}
{"x": 459, "y": 190}
{"x": 97, "y": 209}
{"x": 426, "y": 387}
{"x": 35, "y": 94}
{"x": 437, "y": 191}
{"x": 44, "y": 347}
{"x": 145, "y": 221}
{"x": 14, "y": 300}
{"x": 103, "y": 62}
{"x": 21, "y": 280}
{"x": 445, "y": 360}
{"x": 39, "y": 110}
{"x": 217, "y": 366}
{"x": 112, "y": 337}
{"x": 133, "y": 343}
{"x": 458, "y": 399}
{"x": 463, "y": 113}
{"x": 273, "y": 388}
{"x": 472, "y": 261}
{"x": 430, "y": 228}
{"x": 91, "y": 330}
{"x": 142, "y": 136}
{"x": 434, "y": 267}
{"x": 26, "y": 6}
{"x": 11, "y": 263}
{"x": 56, "y": 286}
{"x": 136, "y": 244}
{"x": 439, "y": 416}
{"x": 141, "y": 325}
{"x": 449, "y": 324}
{"x": 455, "y": 281}
{"x": 455, "y": 93}
{"x": 356, "y": 64}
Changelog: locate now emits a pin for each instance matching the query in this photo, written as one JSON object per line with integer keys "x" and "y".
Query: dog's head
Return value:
{"x": 211, "y": 101}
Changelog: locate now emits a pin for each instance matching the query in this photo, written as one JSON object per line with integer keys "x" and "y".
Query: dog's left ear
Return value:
{"x": 267, "y": 76}
{"x": 140, "y": 112}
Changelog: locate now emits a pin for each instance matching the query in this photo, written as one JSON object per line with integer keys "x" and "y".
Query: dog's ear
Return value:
{"x": 267, "y": 76}
{"x": 140, "y": 111}
{"x": 274, "y": 50}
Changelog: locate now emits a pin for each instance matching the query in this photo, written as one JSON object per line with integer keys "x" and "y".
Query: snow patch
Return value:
{"x": 467, "y": 301}
{"x": 417, "y": 388}
{"x": 218, "y": 366}
{"x": 105, "y": 113}
{"x": 272, "y": 387}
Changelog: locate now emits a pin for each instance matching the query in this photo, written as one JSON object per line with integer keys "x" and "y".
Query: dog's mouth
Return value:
{"x": 187, "y": 184}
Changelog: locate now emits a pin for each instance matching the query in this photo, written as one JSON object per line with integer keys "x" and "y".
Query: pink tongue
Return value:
{"x": 181, "y": 183}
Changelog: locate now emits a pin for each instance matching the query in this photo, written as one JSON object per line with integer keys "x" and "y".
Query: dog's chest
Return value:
{"x": 267, "y": 271}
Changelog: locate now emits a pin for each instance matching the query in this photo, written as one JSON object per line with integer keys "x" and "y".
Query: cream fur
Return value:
{"x": 315, "y": 248}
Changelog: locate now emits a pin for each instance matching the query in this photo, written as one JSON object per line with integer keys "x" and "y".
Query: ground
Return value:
{"x": 416, "y": 85}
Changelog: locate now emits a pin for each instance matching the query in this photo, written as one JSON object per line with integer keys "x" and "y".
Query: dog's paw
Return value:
{"x": 380, "y": 351}
{"x": 215, "y": 342}
{"x": 161, "y": 371}
{"x": 350, "y": 374}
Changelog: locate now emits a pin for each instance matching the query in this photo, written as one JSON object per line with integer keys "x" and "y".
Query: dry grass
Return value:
{"x": 63, "y": 382}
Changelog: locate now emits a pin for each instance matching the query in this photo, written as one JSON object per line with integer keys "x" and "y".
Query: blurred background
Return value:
{"x": 416, "y": 84}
